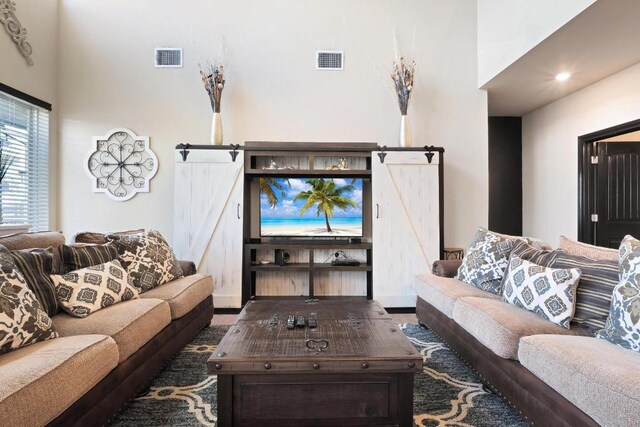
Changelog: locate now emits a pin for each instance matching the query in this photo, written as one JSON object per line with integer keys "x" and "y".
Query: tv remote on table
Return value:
{"x": 311, "y": 322}
{"x": 291, "y": 322}
{"x": 300, "y": 321}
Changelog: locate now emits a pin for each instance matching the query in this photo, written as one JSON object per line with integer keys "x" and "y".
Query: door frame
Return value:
{"x": 588, "y": 175}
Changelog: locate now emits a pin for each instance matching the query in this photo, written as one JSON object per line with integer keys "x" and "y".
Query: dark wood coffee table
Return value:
{"x": 356, "y": 368}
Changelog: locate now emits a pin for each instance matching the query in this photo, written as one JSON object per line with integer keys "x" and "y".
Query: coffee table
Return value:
{"x": 355, "y": 368}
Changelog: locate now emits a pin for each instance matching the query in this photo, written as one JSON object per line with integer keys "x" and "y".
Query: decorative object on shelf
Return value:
{"x": 454, "y": 253}
{"x": 15, "y": 30}
{"x": 121, "y": 164}
{"x": 402, "y": 77}
{"x": 341, "y": 165}
{"x": 213, "y": 80}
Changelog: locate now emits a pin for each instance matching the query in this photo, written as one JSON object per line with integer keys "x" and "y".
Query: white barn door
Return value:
{"x": 208, "y": 219}
{"x": 406, "y": 224}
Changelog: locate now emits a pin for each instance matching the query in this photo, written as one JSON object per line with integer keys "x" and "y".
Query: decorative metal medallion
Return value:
{"x": 121, "y": 164}
{"x": 16, "y": 31}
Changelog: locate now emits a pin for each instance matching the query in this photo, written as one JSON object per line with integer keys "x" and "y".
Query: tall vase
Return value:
{"x": 405, "y": 132}
{"x": 216, "y": 129}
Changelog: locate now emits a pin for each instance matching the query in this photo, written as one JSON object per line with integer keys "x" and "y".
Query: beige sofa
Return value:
{"x": 100, "y": 362}
{"x": 554, "y": 376}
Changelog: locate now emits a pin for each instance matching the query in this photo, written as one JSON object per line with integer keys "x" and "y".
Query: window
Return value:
{"x": 24, "y": 191}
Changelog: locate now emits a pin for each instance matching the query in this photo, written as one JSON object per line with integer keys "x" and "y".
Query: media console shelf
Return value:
{"x": 217, "y": 219}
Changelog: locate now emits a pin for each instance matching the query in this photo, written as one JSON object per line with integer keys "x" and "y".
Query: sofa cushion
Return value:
{"x": 486, "y": 261}
{"x": 37, "y": 266}
{"x": 76, "y": 257}
{"x": 22, "y": 320}
{"x": 38, "y": 239}
{"x": 183, "y": 294}
{"x": 595, "y": 288}
{"x": 601, "y": 379}
{"x": 590, "y": 251}
{"x": 41, "y": 381}
{"x": 499, "y": 325}
{"x": 623, "y": 324}
{"x": 548, "y": 292}
{"x": 131, "y": 324}
{"x": 97, "y": 238}
{"x": 85, "y": 291}
{"x": 148, "y": 259}
{"x": 442, "y": 292}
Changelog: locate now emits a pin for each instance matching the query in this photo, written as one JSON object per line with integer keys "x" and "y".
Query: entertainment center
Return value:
{"x": 235, "y": 206}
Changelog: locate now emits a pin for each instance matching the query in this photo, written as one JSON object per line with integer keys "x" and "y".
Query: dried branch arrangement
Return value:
{"x": 402, "y": 77}
{"x": 213, "y": 81}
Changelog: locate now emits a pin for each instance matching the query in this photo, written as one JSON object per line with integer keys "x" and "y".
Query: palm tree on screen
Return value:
{"x": 270, "y": 187}
{"x": 327, "y": 195}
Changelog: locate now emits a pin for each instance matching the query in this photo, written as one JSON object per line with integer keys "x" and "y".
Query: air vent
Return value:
{"x": 168, "y": 57}
{"x": 329, "y": 60}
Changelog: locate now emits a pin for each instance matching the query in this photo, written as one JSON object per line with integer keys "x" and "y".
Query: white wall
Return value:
{"x": 550, "y": 150}
{"x": 40, "y": 18}
{"x": 507, "y": 29}
{"x": 273, "y": 91}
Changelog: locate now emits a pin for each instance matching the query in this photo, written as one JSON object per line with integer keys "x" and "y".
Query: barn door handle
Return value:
{"x": 238, "y": 211}
{"x": 377, "y": 211}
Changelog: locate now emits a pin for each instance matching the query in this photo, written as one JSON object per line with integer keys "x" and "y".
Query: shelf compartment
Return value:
{"x": 302, "y": 246}
{"x": 303, "y": 266}
{"x": 355, "y": 173}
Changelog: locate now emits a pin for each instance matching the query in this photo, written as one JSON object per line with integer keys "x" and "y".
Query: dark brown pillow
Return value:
{"x": 148, "y": 259}
{"x": 76, "y": 257}
{"x": 36, "y": 266}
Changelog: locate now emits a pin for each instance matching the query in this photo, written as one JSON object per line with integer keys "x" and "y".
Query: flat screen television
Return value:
{"x": 311, "y": 207}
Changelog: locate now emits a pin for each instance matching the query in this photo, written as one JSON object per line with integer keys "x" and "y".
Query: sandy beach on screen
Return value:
{"x": 311, "y": 231}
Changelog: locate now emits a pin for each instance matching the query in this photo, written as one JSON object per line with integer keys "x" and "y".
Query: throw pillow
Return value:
{"x": 90, "y": 289}
{"x": 597, "y": 281}
{"x": 548, "y": 292}
{"x": 623, "y": 324}
{"x": 22, "y": 320}
{"x": 590, "y": 251}
{"x": 6, "y": 259}
{"x": 148, "y": 259}
{"x": 535, "y": 255}
{"x": 486, "y": 261}
{"x": 536, "y": 243}
{"x": 76, "y": 257}
{"x": 36, "y": 266}
{"x": 102, "y": 238}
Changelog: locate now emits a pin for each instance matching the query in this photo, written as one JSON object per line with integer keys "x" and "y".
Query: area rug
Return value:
{"x": 447, "y": 392}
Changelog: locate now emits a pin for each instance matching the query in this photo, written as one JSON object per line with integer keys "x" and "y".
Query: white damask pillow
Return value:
{"x": 90, "y": 289}
{"x": 486, "y": 261}
{"x": 623, "y": 324}
{"x": 548, "y": 292}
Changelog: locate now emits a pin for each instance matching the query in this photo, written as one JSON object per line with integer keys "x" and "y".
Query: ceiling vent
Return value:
{"x": 168, "y": 57}
{"x": 329, "y": 60}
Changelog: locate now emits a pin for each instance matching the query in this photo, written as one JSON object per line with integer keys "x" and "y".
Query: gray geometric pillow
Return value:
{"x": 486, "y": 261}
{"x": 623, "y": 324}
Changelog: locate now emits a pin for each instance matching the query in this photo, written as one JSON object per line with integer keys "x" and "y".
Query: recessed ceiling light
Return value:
{"x": 563, "y": 76}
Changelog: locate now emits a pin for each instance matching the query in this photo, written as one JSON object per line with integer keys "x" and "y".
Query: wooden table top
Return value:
{"x": 352, "y": 335}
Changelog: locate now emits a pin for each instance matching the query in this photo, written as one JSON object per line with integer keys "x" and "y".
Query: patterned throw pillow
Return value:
{"x": 548, "y": 292}
{"x": 90, "y": 289}
{"x": 595, "y": 288}
{"x": 528, "y": 252}
{"x": 486, "y": 261}
{"x": 22, "y": 320}
{"x": 148, "y": 259}
{"x": 623, "y": 324}
{"x": 76, "y": 257}
{"x": 36, "y": 266}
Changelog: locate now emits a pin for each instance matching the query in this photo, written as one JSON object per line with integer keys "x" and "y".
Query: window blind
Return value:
{"x": 24, "y": 136}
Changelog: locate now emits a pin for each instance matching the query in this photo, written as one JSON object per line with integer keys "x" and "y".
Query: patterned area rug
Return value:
{"x": 447, "y": 393}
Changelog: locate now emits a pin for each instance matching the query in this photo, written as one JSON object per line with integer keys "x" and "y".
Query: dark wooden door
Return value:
{"x": 618, "y": 192}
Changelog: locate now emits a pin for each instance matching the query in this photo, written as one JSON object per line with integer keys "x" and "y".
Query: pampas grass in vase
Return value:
{"x": 213, "y": 80}
{"x": 402, "y": 77}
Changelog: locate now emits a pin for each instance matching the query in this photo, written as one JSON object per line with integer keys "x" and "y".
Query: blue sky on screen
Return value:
{"x": 287, "y": 208}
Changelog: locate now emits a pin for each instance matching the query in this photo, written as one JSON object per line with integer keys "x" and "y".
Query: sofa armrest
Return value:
{"x": 446, "y": 267}
{"x": 188, "y": 267}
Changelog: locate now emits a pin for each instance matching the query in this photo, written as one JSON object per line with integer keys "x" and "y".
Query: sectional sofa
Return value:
{"x": 553, "y": 376}
{"x": 100, "y": 362}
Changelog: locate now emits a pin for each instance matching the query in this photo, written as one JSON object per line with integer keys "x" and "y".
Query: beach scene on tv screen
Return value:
{"x": 299, "y": 207}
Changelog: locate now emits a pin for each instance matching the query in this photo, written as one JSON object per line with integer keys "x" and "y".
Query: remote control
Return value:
{"x": 291, "y": 321}
{"x": 300, "y": 321}
{"x": 311, "y": 322}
